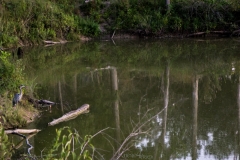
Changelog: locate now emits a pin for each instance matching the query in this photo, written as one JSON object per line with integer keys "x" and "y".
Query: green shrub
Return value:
{"x": 34, "y": 21}
{"x": 5, "y": 145}
{"x": 11, "y": 75}
{"x": 8, "y": 40}
{"x": 68, "y": 143}
{"x": 88, "y": 27}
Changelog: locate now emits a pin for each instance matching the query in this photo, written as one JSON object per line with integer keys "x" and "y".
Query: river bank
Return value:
{"x": 71, "y": 21}
{"x": 18, "y": 116}
{"x": 11, "y": 77}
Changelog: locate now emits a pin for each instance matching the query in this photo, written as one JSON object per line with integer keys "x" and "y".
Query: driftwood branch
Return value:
{"x": 113, "y": 34}
{"x": 220, "y": 33}
{"x": 50, "y": 43}
{"x": 87, "y": 142}
{"x": 226, "y": 33}
{"x": 137, "y": 130}
{"x": 54, "y": 42}
{"x": 236, "y": 32}
{"x": 197, "y": 34}
{"x": 106, "y": 68}
{"x": 71, "y": 115}
{"x": 22, "y": 131}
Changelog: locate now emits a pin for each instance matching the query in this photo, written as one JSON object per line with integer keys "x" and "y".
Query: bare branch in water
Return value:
{"x": 30, "y": 146}
{"x": 127, "y": 143}
{"x": 92, "y": 137}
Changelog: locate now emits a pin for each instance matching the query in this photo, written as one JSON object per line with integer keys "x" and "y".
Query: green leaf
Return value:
{"x": 92, "y": 146}
{"x": 67, "y": 144}
{"x": 85, "y": 154}
{"x": 85, "y": 138}
{"x": 74, "y": 156}
{"x": 63, "y": 154}
{"x": 68, "y": 153}
{"x": 64, "y": 139}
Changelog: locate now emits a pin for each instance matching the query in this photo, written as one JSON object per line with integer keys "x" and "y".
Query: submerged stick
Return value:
{"x": 113, "y": 34}
{"x": 21, "y": 142}
{"x": 70, "y": 115}
{"x": 30, "y": 146}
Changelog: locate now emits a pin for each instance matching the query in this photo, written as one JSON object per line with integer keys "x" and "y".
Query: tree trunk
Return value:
{"x": 168, "y": 4}
{"x": 195, "y": 117}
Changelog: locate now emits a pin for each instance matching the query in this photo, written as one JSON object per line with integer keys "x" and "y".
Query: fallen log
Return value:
{"x": 54, "y": 42}
{"x": 70, "y": 115}
{"x": 222, "y": 33}
{"x": 46, "y": 103}
{"x": 197, "y": 34}
{"x": 236, "y": 32}
{"x": 51, "y": 42}
{"x": 22, "y": 131}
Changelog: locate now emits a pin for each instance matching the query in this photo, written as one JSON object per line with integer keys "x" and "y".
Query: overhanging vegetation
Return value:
{"x": 31, "y": 22}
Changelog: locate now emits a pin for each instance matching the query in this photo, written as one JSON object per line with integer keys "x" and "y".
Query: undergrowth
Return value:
{"x": 31, "y": 22}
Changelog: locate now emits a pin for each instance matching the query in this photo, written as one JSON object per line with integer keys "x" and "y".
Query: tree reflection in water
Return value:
{"x": 196, "y": 88}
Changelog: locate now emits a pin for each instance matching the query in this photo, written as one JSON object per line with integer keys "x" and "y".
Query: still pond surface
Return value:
{"x": 170, "y": 99}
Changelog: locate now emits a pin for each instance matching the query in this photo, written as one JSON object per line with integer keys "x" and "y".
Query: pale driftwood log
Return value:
{"x": 51, "y": 42}
{"x": 54, "y": 42}
{"x": 197, "y": 34}
{"x": 22, "y": 131}
{"x": 227, "y": 33}
{"x": 70, "y": 115}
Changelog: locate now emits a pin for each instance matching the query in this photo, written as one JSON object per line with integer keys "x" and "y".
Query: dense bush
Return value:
{"x": 188, "y": 16}
{"x": 11, "y": 75}
{"x": 33, "y": 21}
{"x": 72, "y": 146}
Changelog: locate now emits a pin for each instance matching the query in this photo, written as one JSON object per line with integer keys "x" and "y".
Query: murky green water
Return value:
{"x": 180, "y": 98}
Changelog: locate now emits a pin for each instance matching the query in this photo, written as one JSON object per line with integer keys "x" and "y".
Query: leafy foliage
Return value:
{"x": 5, "y": 145}
{"x": 68, "y": 143}
{"x": 185, "y": 15}
{"x": 88, "y": 27}
{"x": 33, "y": 21}
{"x": 11, "y": 75}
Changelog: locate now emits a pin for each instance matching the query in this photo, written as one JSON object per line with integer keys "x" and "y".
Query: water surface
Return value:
{"x": 183, "y": 94}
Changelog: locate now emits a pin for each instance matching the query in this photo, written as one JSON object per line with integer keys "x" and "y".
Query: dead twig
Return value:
{"x": 127, "y": 144}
